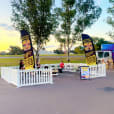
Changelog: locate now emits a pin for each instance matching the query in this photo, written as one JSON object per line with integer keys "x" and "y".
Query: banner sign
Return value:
{"x": 84, "y": 72}
{"x": 28, "y": 50}
{"x": 89, "y": 50}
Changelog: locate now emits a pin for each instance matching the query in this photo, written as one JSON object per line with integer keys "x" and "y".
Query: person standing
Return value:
{"x": 21, "y": 65}
{"x": 61, "y": 66}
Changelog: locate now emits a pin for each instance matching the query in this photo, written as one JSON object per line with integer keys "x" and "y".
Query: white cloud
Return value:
{"x": 6, "y": 26}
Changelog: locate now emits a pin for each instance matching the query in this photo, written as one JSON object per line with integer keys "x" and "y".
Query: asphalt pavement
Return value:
{"x": 68, "y": 95}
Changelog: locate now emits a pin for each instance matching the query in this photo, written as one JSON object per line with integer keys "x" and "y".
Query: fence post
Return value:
{"x": 90, "y": 72}
{"x": 18, "y": 78}
{"x": 104, "y": 69}
{"x": 51, "y": 77}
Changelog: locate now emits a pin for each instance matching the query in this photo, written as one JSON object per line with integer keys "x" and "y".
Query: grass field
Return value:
{"x": 40, "y": 55}
{"x": 45, "y": 60}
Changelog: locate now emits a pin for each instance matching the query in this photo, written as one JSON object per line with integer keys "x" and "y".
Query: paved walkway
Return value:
{"x": 68, "y": 95}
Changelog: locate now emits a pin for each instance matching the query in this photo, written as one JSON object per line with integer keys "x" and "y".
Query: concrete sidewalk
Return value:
{"x": 68, "y": 95}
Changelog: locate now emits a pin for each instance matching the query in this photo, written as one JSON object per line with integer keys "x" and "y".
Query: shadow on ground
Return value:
{"x": 108, "y": 89}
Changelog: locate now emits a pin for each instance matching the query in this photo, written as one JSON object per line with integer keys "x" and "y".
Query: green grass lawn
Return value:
{"x": 9, "y": 61}
{"x": 45, "y": 60}
{"x": 55, "y": 60}
{"x": 40, "y": 55}
{"x": 11, "y": 55}
{"x": 62, "y": 55}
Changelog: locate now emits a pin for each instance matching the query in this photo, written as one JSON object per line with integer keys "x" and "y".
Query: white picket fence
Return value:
{"x": 44, "y": 76}
{"x": 97, "y": 71}
{"x": 72, "y": 67}
{"x": 10, "y": 75}
{"x": 26, "y": 77}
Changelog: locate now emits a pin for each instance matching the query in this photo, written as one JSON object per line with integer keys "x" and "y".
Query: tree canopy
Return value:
{"x": 35, "y": 16}
{"x": 15, "y": 50}
{"x": 75, "y": 16}
{"x": 110, "y": 19}
{"x": 97, "y": 41}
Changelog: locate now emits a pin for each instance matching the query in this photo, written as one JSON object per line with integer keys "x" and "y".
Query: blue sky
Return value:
{"x": 100, "y": 28}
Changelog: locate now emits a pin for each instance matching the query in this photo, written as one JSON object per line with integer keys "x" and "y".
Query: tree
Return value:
{"x": 57, "y": 51}
{"x": 110, "y": 19}
{"x": 62, "y": 41}
{"x": 35, "y": 16}
{"x": 79, "y": 50}
{"x": 66, "y": 14}
{"x": 99, "y": 41}
{"x": 15, "y": 50}
{"x": 75, "y": 17}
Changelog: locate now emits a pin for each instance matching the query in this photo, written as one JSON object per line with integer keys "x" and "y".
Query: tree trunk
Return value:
{"x": 37, "y": 54}
{"x": 68, "y": 36}
{"x": 65, "y": 50}
{"x": 68, "y": 52}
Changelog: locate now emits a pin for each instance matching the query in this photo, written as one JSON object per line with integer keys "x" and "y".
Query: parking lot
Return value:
{"x": 68, "y": 95}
